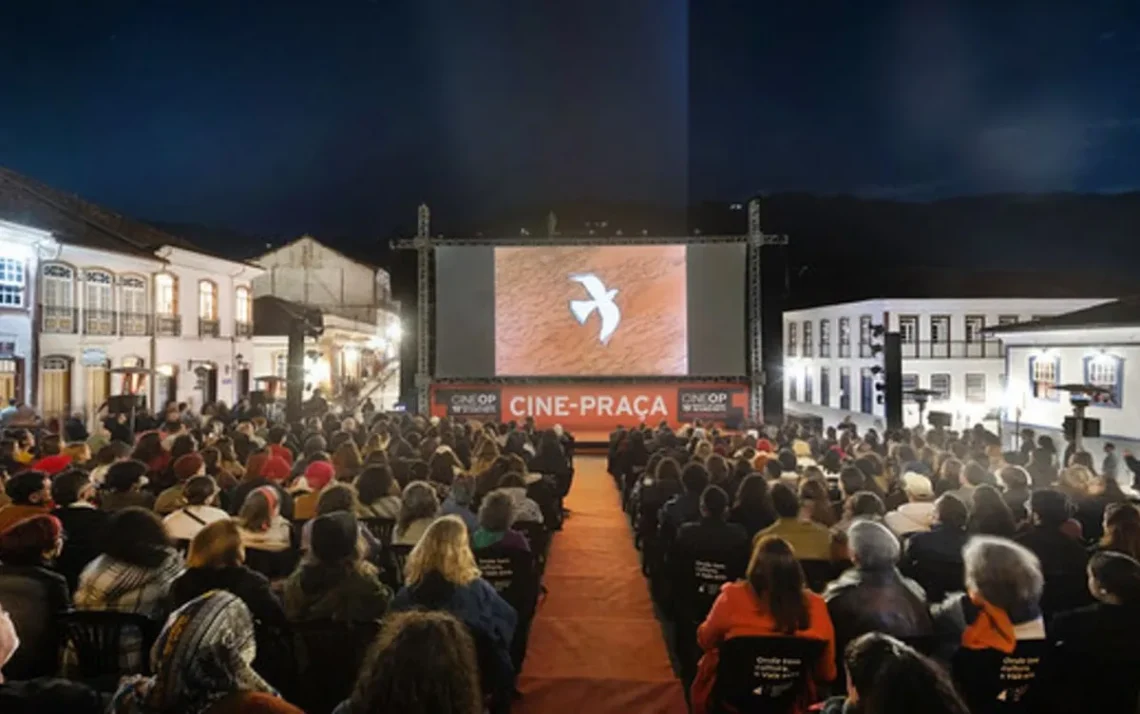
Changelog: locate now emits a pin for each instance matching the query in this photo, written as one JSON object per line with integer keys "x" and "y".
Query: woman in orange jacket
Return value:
{"x": 772, "y": 601}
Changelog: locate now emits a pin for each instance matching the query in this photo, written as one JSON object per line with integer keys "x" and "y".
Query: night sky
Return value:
{"x": 338, "y": 118}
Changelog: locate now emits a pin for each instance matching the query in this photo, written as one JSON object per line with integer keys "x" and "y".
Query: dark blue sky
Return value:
{"x": 339, "y": 117}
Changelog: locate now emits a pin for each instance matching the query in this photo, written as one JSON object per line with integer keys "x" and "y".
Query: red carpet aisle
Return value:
{"x": 595, "y": 646}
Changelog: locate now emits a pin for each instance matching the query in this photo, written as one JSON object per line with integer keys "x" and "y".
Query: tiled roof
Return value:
{"x": 1124, "y": 312}
{"x": 77, "y": 222}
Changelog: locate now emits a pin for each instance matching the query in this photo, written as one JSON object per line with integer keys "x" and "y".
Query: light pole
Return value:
{"x": 1079, "y": 396}
{"x": 921, "y": 397}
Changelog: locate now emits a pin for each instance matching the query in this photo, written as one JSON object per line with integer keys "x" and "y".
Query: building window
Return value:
{"x": 1043, "y": 375}
{"x": 165, "y": 295}
{"x": 133, "y": 313}
{"x": 1105, "y": 371}
{"x": 845, "y": 337}
{"x": 825, "y": 386}
{"x": 825, "y": 338}
{"x": 207, "y": 300}
{"x": 908, "y": 329}
{"x": 57, "y": 294}
{"x": 281, "y": 364}
{"x": 976, "y": 388}
{"x": 808, "y": 351}
{"x": 974, "y": 326}
{"x": 940, "y": 385}
{"x": 809, "y": 396}
{"x": 243, "y": 306}
{"x": 909, "y": 384}
{"x": 940, "y": 336}
{"x": 98, "y": 303}
{"x": 11, "y": 282}
{"x": 55, "y": 387}
{"x": 865, "y": 336}
{"x": 792, "y": 390}
{"x": 866, "y": 390}
{"x": 793, "y": 344}
{"x": 845, "y": 388}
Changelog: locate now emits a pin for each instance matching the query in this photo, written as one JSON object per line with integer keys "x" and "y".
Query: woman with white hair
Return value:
{"x": 873, "y": 596}
{"x": 1002, "y": 602}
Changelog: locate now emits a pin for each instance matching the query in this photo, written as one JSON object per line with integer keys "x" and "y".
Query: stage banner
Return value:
{"x": 484, "y": 403}
{"x": 596, "y": 406}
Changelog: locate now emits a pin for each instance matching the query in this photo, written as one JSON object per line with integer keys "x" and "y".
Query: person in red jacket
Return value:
{"x": 772, "y": 600}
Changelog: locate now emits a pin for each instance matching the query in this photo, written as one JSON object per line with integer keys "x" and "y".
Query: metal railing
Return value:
{"x": 243, "y": 329}
{"x": 59, "y": 320}
{"x": 99, "y": 322}
{"x": 962, "y": 349}
{"x": 208, "y": 328}
{"x": 134, "y": 324}
{"x": 168, "y": 325}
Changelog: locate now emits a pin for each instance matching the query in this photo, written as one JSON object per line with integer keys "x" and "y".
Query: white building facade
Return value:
{"x": 359, "y": 351}
{"x": 1100, "y": 347}
{"x": 100, "y": 291}
{"x": 829, "y": 355}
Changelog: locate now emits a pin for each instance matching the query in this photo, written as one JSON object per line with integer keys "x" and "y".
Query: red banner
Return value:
{"x": 594, "y": 406}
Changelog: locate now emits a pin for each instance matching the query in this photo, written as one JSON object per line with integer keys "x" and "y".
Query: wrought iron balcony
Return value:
{"x": 168, "y": 325}
{"x": 134, "y": 324}
{"x": 243, "y": 329}
{"x": 963, "y": 349}
{"x": 208, "y": 328}
{"x": 59, "y": 320}
{"x": 99, "y": 322}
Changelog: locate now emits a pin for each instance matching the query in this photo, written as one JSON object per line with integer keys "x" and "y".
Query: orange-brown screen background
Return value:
{"x": 536, "y": 334}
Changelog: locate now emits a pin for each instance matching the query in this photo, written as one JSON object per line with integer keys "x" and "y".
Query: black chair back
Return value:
{"x": 328, "y": 659}
{"x": 818, "y": 573}
{"x": 937, "y": 577}
{"x": 993, "y": 682}
{"x": 538, "y": 537}
{"x": 96, "y": 636}
{"x": 30, "y": 603}
{"x": 764, "y": 675}
{"x": 273, "y": 564}
{"x": 514, "y": 575}
{"x": 381, "y": 528}
{"x": 395, "y": 561}
{"x": 698, "y": 582}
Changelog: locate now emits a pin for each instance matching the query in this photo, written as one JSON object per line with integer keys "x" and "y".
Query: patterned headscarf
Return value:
{"x": 202, "y": 656}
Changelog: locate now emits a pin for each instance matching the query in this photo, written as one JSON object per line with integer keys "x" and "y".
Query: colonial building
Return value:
{"x": 102, "y": 291}
{"x": 359, "y": 351}
{"x": 1098, "y": 346}
{"x": 829, "y": 358}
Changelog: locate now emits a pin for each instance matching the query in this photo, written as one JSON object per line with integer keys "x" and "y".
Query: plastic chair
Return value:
{"x": 514, "y": 575}
{"x": 381, "y": 528}
{"x": 764, "y": 675}
{"x": 328, "y": 657}
{"x": 993, "y": 682}
{"x": 96, "y": 637}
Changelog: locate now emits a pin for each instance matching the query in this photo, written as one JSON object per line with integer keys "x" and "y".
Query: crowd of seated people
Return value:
{"x": 912, "y": 570}
{"x": 222, "y": 562}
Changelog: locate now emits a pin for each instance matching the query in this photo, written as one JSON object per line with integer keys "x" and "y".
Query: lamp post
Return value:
{"x": 1079, "y": 396}
{"x": 921, "y": 397}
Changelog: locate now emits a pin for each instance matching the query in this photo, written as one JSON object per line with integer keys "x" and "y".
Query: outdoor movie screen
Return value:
{"x": 663, "y": 310}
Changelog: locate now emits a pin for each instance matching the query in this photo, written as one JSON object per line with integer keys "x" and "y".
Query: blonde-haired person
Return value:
{"x": 216, "y": 561}
{"x": 441, "y": 575}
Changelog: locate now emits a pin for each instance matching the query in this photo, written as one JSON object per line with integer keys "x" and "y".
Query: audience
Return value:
{"x": 333, "y": 581}
{"x": 419, "y": 507}
{"x": 809, "y": 541}
{"x": 934, "y": 559}
{"x": 124, "y": 482}
{"x": 29, "y": 493}
{"x": 1061, "y": 557}
{"x": 873, "y": 596}
{"x": 441, "y": 575}
{"x": 200, "y": 494}
{"x": 378, "y": 493}
{"x": 458, "y": 502}
{"x": 202, "y": 664}
{"x": 134, "y": 573}
{"x": 41, "y": 695}
{"x": 32, "y": 593}
{"x": 1122, "y": 529}
{"x": 83, "y": 523}
{"x": 422, "y": 663}
{"x": 752, "y": 507}
{"x": 991, "y": 515}
{"x": 917, "y": 514}
{"x": 496, "y": 516}
{"x": 772, "y": 601}
{"x": 261, "y": 523}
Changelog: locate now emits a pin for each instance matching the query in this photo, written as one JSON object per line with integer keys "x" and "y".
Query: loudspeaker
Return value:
{"x": 939, "y": 420}
{"x": 123, "y": 403}
{"x": 892, "y": 381}
{"x": 1091, "y": 428}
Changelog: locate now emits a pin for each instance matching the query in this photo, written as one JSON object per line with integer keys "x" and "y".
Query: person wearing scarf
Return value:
{"x": 262, "y": 526}
{"x": 1001, "y": 607}
{"x": 202, "y": 664}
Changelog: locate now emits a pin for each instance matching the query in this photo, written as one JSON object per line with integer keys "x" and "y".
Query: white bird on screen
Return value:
{"x": 601, "y": 300}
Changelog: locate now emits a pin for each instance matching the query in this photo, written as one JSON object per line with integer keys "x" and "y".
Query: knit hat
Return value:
{"x": 52, "y": 465}
{"x": 318, "y": 474}
{"x": 187, "y": 466}
{"x": 334, "y": 536}
{"x": 275, "y": 469}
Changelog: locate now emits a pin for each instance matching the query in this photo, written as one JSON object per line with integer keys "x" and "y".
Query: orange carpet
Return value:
{"x": 595, "y": 646}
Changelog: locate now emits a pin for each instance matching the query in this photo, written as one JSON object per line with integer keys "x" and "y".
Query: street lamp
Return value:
{"x": 921, "y": 397}
{"x": 1079, "y": 396}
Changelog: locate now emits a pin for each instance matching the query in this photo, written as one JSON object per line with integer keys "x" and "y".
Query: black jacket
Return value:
{"x": 934, "y": 560}
{"x": 1063, "y": 561}
{"x": 681, "y": 509}
{"x": 40, "y": 696}
{"x": 862, "y": 601}
{"x": 753, "y": 521}
{"x": 84, "y": 530}
{"x": 1094, "y": 660}
{"x": 249, "y": 585}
